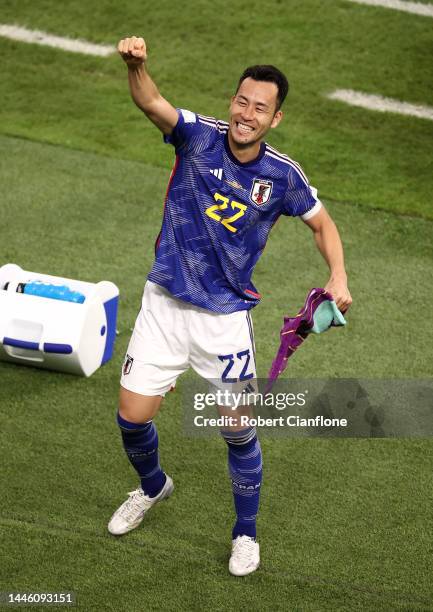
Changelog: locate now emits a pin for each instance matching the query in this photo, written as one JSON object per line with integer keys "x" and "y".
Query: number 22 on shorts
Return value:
{"x": 244, "y": 357}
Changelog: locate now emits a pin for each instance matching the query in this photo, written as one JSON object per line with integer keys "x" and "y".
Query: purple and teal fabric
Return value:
{"x": 318, "y": 314}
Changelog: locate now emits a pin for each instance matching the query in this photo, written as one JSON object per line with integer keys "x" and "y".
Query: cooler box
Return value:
{"x": 55, "y": 334}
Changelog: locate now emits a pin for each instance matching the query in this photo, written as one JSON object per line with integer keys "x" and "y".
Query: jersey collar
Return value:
{"x": 235, "y": 159}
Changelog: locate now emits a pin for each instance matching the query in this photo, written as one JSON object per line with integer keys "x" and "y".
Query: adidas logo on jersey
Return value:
{"x": 218, "y": 172}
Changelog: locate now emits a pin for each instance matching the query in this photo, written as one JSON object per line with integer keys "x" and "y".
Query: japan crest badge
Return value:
{"x": 261, "y": 191}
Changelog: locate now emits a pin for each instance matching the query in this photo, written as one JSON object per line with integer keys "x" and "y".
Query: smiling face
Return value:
{"x": 253, "y": 112}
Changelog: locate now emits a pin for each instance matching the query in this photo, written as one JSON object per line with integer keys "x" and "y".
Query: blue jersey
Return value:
{"x": 218, "y": 214}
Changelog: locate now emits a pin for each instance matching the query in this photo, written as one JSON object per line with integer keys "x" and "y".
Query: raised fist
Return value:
{"x": 132, "y": 50}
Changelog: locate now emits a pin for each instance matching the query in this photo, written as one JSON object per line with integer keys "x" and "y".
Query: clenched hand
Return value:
{"x": 132, "y": 50}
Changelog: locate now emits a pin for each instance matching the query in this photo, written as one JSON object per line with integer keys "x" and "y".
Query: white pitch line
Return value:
{"x": 400, "y": 5}
{"x": 59, "y": 42}
{"x": 381, "y": 104}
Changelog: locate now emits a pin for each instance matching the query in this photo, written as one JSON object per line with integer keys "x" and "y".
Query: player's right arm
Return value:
{"x": 143, "y": 90}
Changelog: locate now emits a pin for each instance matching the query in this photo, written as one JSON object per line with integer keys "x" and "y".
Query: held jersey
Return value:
{"x": 218, "y": 214}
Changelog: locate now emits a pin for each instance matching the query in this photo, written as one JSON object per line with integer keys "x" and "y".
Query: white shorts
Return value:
{"x": 171, "y": 335}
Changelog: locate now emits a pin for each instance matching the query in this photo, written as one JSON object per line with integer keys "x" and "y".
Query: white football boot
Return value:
{"x": 132, "y": 511}
{"x": 245, "y": 556}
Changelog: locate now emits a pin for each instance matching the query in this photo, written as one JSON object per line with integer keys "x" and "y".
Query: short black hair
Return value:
{"x": 266, "y": 72}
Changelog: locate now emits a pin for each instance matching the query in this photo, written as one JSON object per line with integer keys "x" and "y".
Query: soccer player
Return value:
{"x": 226, "y": 190}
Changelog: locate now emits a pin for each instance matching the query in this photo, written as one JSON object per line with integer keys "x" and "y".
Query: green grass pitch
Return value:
{"x": 344, "y": 524}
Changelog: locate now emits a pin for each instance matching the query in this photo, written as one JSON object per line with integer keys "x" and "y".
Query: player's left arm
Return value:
{"x": 328, "y": 242}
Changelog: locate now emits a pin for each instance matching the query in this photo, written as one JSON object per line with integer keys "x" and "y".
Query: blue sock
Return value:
{"x": 140, "y": 442}
{"x": 245, "y": 469}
